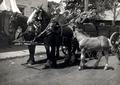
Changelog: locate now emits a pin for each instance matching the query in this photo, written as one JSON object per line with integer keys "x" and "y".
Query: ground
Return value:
{"x": 14, "y": 72}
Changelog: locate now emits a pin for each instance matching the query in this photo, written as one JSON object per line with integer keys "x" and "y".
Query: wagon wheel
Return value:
{"x": 64, "y": 50}
{"x": 114, "y": 38}
{"x": 115, "y": 41}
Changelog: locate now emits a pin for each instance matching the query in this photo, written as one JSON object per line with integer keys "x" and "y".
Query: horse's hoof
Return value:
{"x": 54, "y": 66}
{"x": 32, "y": 62}
{"x": 95, "y": 67}
{"x": 105, "y": 68}
{"x": 66, "y": 63}
{"x": 46, "y": 67}
{"x": 29, "y": 64}
{"x": 79, "y": 68}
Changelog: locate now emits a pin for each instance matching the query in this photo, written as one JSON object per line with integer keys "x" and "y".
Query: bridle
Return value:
{"x": 37, "y": 20}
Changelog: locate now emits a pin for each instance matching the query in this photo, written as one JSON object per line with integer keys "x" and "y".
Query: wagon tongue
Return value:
{"x": 21, "y": 42}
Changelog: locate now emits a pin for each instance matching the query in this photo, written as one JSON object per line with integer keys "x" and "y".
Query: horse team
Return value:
{"x": 42, "y": 29}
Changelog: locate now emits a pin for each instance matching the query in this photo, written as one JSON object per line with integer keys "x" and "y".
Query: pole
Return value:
{"x": 86, "y": 2}
{"x": 114, "y": 12}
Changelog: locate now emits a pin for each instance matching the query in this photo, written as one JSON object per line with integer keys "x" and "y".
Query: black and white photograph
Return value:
{"x": 59, "y": 42}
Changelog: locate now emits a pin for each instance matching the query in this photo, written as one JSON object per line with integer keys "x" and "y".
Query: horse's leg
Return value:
{"x": 73, "y": 55}
{"x": 82, "y": 63}
{"x": 68, "y": 56}
{"x": 57, "y": 52}
{"x": 99, "y": 58}
{"x": 73, "y": 58}
{"x": 106, "y": 57}
{"x": 51, "y": 60}
{"x": 75, "y": 47}
{"x": 53, "y": 57}
{"x": 31, "y": 49}
{"x": 48, "y": 63}
{"x": 118, "y": 56}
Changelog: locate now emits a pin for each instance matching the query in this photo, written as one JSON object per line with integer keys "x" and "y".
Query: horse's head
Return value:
{"x": 13, "y": 20}
{"x": 35, "y": 16}
{"x": 18, "y": 20}
{"x": 39, "y": 12}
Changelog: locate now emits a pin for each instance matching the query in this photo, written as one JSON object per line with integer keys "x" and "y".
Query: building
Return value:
{"x": 7, "y": 7}
{"x": 27, "y": 6}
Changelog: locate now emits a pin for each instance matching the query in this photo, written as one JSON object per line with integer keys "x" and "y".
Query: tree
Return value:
{"x": 115, "y": 12}
{"x": 51, "y": 7}
{"x": 103, "y": 5}
{"x": 72, "y": 4}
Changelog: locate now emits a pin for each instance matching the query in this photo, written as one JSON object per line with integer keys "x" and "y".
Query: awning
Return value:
{"x": 9, "y": 5}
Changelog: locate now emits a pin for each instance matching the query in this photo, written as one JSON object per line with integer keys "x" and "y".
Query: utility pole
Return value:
{"x": 114, "y": 12}
{"x": 86, "y": 2}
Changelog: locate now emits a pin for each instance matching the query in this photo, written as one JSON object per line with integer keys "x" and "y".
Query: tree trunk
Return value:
{"x": 86, "y": 2}
{"x": 114, "y": 15}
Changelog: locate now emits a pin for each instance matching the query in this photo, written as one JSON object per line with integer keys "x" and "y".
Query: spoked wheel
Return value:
{"x": 114, "y": 38}
{"x": 115, "y": 41}
{"x": 64, "y": 50}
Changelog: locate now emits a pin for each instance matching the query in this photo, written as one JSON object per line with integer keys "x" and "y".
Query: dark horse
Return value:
{"x": 53, "y": 37}
{"x": 38, "y": 31}
{"x": 18, "y": 20}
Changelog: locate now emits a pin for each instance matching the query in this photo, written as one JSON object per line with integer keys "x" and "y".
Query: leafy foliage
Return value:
{"x": 102, "y": 5}
{"x": 95, "y": 7}
{"x": 72, "y": 4}
{"x": 51, "y": 7}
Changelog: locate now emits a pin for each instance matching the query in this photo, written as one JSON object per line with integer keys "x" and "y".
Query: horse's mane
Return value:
{"x": 46, "y": 18}
{"x": 45, "y": 14}
{"x": 82, "y": 32}
{"x": 21, "y": 17}
{"x": 21, "y": 20}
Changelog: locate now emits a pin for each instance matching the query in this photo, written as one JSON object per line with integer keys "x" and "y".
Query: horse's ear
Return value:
{"x": 40, "y": 7}
{"x": 34, "y": 8}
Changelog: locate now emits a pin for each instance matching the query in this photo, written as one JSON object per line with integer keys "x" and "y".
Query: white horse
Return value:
{"x": 101, "y": 44}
